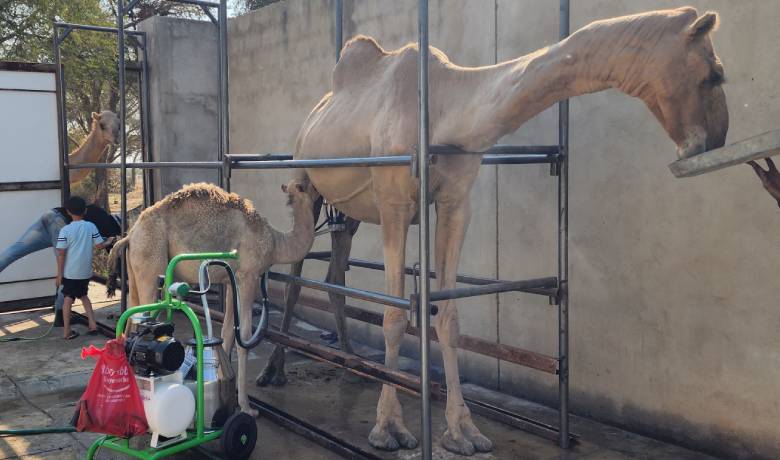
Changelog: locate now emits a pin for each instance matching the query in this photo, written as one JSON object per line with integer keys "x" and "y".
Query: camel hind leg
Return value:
{"x": 146, "y": 259}
{"x": 132, "y": 287}
{"x": 247, "y": 287}
{"x": 341, "y": 246}
{"x": 273, "y": 373}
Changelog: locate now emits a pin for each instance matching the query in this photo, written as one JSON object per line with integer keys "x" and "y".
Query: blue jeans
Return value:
{"x": 42, "y": 234}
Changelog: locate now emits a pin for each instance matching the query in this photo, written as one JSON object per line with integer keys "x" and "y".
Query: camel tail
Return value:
{"x": 115, "y": 262}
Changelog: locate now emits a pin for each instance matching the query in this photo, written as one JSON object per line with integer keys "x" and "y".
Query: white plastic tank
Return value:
{"x": 169, "y": 405}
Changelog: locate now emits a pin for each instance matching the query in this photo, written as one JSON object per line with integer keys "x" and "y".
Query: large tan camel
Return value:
{"x": 665, "y": 58}
{"x": 205, "y": 218}
{"x": 105, "y": 131}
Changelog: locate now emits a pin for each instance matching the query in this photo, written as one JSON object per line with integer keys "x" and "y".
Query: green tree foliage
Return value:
{"x": 244, "y": 6}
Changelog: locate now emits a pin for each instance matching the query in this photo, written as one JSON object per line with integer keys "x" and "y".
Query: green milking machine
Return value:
{"x": 189, "y": 397}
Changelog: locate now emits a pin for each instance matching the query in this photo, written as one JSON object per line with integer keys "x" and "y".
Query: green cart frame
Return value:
{"x": 201, "y": 434}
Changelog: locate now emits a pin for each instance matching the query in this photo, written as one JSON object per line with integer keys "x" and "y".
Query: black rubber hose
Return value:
{"x": 36, "y": 431}
{"x": 259, "y": 334}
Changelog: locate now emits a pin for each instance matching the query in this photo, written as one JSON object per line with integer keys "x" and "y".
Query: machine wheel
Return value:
{"x": 220, "y": 417}
{"x": 239, "y": 436}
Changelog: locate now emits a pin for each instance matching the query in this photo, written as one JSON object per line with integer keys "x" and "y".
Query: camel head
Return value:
{"x": 296, "y": 193}
{"x": 681, "y": 81}
{"x": 106, "y": 125}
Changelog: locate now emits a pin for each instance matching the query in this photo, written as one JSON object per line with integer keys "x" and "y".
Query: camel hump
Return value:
{"x": 213, "y": 195}
{"x": 359, "y": 58}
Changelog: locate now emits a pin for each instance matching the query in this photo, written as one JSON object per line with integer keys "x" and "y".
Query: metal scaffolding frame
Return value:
{"x": 556, "y": 288}
{"x": 61, "y": 32}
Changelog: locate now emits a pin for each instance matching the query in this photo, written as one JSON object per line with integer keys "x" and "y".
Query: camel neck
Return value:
{"x": 90, "y": 150}
{"x": 293, "y": 246}
{"x": 506, "y": 95}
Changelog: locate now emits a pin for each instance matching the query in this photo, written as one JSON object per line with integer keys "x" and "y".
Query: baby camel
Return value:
{"x": 205, "y": 218}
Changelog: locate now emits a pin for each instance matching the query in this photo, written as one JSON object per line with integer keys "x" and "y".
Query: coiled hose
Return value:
{"x": 259, "y": 333}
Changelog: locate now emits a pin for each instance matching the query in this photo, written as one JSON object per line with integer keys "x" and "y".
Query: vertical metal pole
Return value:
{"x": 120, "y": 40}
{"x": 224, "y": 144}
{"x": 425, "y": 319}
{"x": 63, "y": 127}
{"x": 563, "y": 253}
{"x": 339, "y": 41}
{"x": 145, "y": 125}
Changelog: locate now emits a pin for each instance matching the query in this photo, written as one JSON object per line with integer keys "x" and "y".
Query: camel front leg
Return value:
{"x": 462, "y": 436}
{"x": 247, "y": 286}
{"x": 390, "y": 432}
{"x": 273, "y": 372}
{"x": 341, "y": 246}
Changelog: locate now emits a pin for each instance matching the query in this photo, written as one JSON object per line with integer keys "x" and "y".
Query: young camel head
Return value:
{"x": 296, "y": 193}
{"x": 682, "y": 86}
{"x": 106, "y": 125}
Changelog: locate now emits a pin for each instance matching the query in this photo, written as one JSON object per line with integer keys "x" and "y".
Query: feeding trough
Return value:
{"x": 753, "y": 148}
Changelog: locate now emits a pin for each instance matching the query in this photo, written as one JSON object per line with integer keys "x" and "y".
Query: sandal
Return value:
{"x": 72, "y": 335}
{"x": 92, "y": 332}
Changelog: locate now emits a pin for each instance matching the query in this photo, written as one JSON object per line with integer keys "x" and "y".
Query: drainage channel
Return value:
{"x": 288, "y": 421}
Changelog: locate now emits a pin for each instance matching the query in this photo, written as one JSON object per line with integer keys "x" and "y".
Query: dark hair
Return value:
{"x": 76, "y": 205}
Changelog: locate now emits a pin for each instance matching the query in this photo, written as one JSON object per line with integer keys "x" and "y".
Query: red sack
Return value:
{"x": 111, "y": 404}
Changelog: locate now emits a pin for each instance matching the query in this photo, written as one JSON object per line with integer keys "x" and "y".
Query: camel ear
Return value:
{"x": 705, "y": 24}
{"x": 95, "y": 116}
{"x": 284, "y": 188}
{"x": 299, "y": 187}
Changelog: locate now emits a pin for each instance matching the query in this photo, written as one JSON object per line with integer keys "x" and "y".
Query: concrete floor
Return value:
{"x": 41, "y": 381}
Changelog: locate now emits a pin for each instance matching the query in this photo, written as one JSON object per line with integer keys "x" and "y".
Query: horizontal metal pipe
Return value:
{"x": 151, "y": 165}
{"x": 465, "y": 279}
{"x": 259, "y": 157}
{"x": 399, "y": 160}
{"x": 498, "y": 150}
{"x": 199, "y": 3}
{"x": 472, "y": 291}
{"x": 273, "y": 161}
{"x": 370, "y": 296}
{"x": 519, "y": 159}
{"x": 68, "y": 25}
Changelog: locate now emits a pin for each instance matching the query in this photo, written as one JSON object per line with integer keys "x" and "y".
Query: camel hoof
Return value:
{"x": 271, "y": 377}
{"x": 481, "y": 442}
{"x": 380, "y": 438}
{"x": 406, "y": 439}
{"x": 273, "y": 373}
{"x": 459, "y": 445}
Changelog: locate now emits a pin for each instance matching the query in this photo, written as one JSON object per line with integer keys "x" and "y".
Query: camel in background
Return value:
{"x": 665, "y": 58}
{"x": 105, "y": 131}
{"x": 205, "y": 218}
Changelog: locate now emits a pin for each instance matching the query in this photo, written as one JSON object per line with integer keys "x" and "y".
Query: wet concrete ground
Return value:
{"x": 41, "y": 381}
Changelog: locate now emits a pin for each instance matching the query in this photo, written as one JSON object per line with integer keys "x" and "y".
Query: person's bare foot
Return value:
{"x": 71, "y": 335}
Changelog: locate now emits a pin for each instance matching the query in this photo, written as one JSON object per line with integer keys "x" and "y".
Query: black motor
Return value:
{"x": 154, "y": 350}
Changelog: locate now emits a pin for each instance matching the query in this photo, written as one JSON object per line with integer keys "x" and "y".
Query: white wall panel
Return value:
{"x": 28, "y": 130}
{"x": 37, "y": 81}
{"x": 29, "y": 149}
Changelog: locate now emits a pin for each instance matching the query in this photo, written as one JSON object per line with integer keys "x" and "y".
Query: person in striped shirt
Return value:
{"x": 74, "y": 262}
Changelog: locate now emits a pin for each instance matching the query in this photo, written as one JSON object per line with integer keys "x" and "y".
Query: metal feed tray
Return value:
{"x": 753, "y": 148}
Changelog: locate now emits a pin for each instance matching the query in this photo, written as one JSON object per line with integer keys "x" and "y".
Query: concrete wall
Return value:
{"x": 673, "y": 295}
{"x": 183, "y": 78}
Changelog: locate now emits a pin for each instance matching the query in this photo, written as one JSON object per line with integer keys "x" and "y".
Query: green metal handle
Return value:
{"x": 195, "y": 256}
